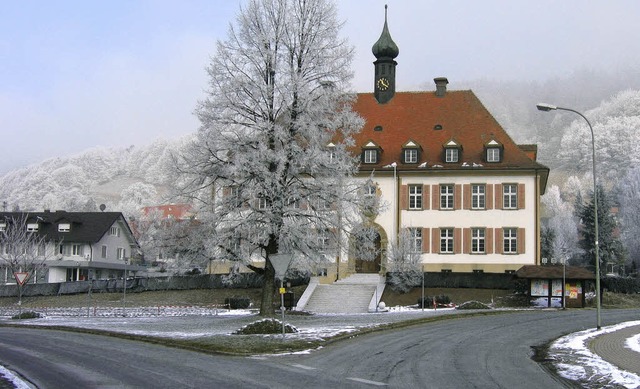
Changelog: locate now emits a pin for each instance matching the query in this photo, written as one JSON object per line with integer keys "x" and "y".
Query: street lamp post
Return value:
{"x": 549, "y": 107}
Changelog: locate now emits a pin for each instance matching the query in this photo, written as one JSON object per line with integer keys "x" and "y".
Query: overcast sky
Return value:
{"x": 82, "y": 74}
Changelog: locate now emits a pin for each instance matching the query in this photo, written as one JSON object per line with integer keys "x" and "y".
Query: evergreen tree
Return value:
{"x": 611, "y": 251}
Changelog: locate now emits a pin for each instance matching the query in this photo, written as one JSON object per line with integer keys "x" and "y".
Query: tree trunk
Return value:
{"x": 266, "y": 303}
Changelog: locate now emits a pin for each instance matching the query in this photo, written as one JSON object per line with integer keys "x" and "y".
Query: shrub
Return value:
{"x": 440, "y": 301}
{"x": 27, "y": 315}
{"x": 237, "y": 302}
{"x": 473, "y": 305}
{"x": 266, "y": 326}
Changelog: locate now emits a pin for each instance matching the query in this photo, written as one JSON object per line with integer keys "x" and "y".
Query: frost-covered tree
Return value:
{"x": 404, "y": 261}
{"x": 629, "y": 199}
{"x": 270, "y": 165}
{"x": 561, "y": 225}
{"x": 23, "y": 251}
{"x": 611, "y": 251}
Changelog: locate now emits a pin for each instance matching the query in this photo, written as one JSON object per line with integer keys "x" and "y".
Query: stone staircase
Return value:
{"x": 359, "y": 293}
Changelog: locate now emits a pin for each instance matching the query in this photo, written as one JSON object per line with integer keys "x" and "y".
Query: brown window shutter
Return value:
{"x": 520, "y": 196}
{"x": 425, "y": 240}
{"x": 489, "y": 196}
{"x": 435, "y": 240}
{"x": 521, "y": 240}
{"x": 488, "y": 240}
{"x": 435, "y": 203}
{"x": 499, "y": 233}
{"x": 466, "y": 240}
{"x": 426, "y": 197}
{"x": 466, "y": 203}
{"x": 404, "y": 197}
{"x": 226, "y": 191}
{"x": 457, "y": 240}
{"x": 499, "y": 200}
{"x": 457, "y": 194}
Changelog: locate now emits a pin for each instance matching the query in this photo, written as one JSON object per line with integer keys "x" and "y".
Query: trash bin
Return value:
{"x": 289, "y": 300}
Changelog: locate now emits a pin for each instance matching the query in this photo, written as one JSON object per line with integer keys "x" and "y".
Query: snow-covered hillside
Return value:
{"x": 97, "y": 176}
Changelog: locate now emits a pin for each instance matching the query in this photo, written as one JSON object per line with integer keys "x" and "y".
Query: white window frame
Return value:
{"x": 452, "y": 155}
{"x": 478, "y": 241}
{"x": 77, "y": 250}
{"x": 411, "y": 155}
{"x": 493, "y": 154}
{"x": 32, "y": 227}
{"x": 104, "y": 252}
{"x": 3, "y": 227}
{"x": 447, "y": 200}
{"x": 415, "y": 197}
{"x": 446, "y": 240}
{"x": 64, "y": 227}
{"x": 478, "y": 196}
{"x": 262, "y": 202}
{"x": 415, "y": 240}
{"x": 120, "y": 253}
{"x": 114, "y": 231}
{"x": 509, "y": 196}
{"x": 371, "y": 156}
{"x": 510, "y": 241}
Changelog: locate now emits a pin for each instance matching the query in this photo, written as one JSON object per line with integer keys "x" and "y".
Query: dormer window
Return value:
{"x": 493, "y": 151}
{"x": 32, "y": 227}
{"x": 64, "y": 227}
{"x": 331, "y": 153}
{"x": 410, "y": 152}
{"x": 371, "y": 153}
{"x": 452, "y": 152}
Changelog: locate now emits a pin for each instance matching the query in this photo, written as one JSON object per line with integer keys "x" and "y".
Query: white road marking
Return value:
{"x": 303, "y": 367}
{"x": 376, "y": 383}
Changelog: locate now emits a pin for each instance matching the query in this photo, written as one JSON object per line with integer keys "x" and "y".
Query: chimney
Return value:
{"x": 441, "y": 86}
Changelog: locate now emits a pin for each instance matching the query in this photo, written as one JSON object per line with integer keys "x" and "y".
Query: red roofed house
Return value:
{"x": 468, "y": 194}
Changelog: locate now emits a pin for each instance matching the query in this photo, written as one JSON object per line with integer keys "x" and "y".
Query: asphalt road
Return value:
{"x": 473, "y": 352}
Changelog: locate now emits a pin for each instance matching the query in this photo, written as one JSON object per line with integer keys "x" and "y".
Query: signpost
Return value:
{"x": 280, "y": 264}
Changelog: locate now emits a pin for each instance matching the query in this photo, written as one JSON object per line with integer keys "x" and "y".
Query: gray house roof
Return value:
{"x": 86, "y": 227}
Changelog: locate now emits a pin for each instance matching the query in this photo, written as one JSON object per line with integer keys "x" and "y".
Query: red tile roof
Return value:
{"x": 170, "y": 211}
{"x": 414, "y": 115}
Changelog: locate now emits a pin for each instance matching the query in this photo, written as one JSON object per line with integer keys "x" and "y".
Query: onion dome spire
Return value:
{"x": 385, "y": 47}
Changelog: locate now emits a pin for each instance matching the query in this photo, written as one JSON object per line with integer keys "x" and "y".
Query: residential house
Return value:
{"x": 86, "y": 245}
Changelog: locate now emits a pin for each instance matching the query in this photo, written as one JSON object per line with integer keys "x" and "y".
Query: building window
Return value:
{"x": 3, "y": 227}
{"x": 446, "y": 196}
{"x": 293, "y": 202}
{"x": 415, "y": 240}
{"x": 370, "y": 156}
{"x": 446, "y": 240}
{"x": 324, "y": 241}
{"x": 477, "y": 240}
{"x": 32, "y": 227}
{"x": 77, "y": 249}
{"x": 64, "y": 227}
{"x": 410, "y": 155}
{"x": 114, "y": 231}
{"x": 510, "y": 242}
{"x": 234, "y": 196}
{"x": 103, "y": 253}
{"x": 477, "y": 196}
{"x": 493, "y": 154}
{"x": 510, "y": 196}
{"x": 451, "y": 155}
{"x": 333, "y": 155}
{"x": 415, "y": 196}
{"x": 120, "y": 253}
{"x": 262, "y": 202}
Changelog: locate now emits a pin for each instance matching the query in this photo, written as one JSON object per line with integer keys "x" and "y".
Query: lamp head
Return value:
{"x": 546, "y": 107}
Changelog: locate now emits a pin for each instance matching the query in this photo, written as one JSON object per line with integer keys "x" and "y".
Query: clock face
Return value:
{"x": 383, "y": 83}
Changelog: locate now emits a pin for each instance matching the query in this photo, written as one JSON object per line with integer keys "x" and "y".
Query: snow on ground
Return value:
{"x": 576, "y": 362}
{"x": 8, "y": 377}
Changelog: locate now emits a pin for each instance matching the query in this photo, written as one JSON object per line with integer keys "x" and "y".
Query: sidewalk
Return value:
{"x": 612, "y": 347}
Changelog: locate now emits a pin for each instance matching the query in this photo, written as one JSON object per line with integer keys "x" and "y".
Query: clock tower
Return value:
{"x": 385, "y": 50}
